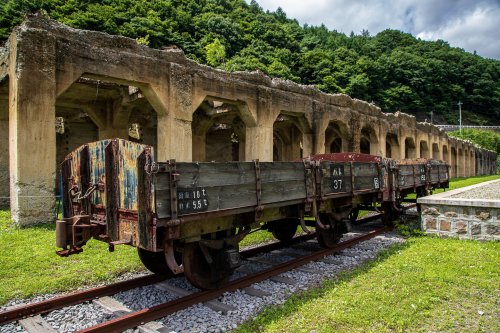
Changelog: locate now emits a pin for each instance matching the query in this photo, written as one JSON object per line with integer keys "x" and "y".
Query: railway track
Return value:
{"x": 20, "y": 312}
{"x": 134, "y": 319}
{"x": 150, "y": 314}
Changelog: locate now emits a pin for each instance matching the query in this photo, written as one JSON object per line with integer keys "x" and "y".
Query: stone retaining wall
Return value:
{"x": 448, "y": 216}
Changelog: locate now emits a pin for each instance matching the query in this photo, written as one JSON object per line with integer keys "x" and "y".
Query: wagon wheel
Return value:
{"x": 199, "y": 272}
{"x": 155, "y": 262}
{"x": 285, "y": 229}
{"x": 327, "y": 238}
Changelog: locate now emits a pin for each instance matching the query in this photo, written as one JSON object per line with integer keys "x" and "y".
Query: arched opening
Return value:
{"x": 336, "y": 137}
{"x": 454, "y": 165}
{"x": 445, "y": 154}
{"x": 289, "y": 131}
{"x": 218, "y": 132}
{"x": 479, "y": 163}
{"x": 460, "y": 163}
{"x": 4, "y": 145}
{"x": 466, "y": 162}
{"x": 392, "y": 146}
{"x": 368, "y": 142}
{"x": 424, "y": 149}
{"x": 435, "y": 151}
{"x": 410, "y": 148}
{"x": 95, "y": 107}
{"x": 472, "y": 164}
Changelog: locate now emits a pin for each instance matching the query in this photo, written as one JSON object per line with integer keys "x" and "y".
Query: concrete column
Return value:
{"x": 32, "y": 150}
{"x": 321, "y": 124}
{"x": 307, "y": 144}
{"x": 259, "y": 143}
{"x": 4, "y": 153}
{"x": 175, "y": 140}
{"x": 381, "y": 146}
{"x": 354, "y": 140}
{"x": 402, "y": 145}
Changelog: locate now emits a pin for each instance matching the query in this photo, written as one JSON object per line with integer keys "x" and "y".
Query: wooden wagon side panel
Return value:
{"x": 282, "y": 181}
{"x": 353, "y": 177}
{"x": 206, "y": 187}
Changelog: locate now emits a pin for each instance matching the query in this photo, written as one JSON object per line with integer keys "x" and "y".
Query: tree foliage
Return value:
{"x": 483, "y": 138}
{"x": 392, "y": 69}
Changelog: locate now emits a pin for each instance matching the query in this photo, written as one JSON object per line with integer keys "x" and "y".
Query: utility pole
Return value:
{"x": 460, "y": 115}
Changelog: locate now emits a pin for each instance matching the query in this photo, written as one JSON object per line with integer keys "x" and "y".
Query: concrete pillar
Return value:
{"x": 381, "y": 146}
{"x": 402, "y": 145}
{"x": 4, "y": 153}
{"x": 259, "y": 143}
{"x": 175, "y": 140}
{"x": 32, "y": 150}
{"x": 307, "y": 144}
{"x": 355, "y": 136}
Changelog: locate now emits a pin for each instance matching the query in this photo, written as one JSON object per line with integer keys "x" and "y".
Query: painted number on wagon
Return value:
{"x": 192, "y": 200}
{"x": 376, "y": 183}
{"x": 337, "y": 174}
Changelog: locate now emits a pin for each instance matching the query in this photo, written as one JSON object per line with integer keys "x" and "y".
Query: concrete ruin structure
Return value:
{"x": 100, "y": 86}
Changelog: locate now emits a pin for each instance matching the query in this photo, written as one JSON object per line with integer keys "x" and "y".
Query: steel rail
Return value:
{"x": 20, "y": 312}
{"x": 135, "y": 319}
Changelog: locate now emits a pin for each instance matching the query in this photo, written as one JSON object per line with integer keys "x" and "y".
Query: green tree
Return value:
{"x": 215, "y": 52}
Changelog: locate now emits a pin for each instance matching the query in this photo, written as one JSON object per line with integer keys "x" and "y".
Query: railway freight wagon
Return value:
{"x": 190, "y": 217}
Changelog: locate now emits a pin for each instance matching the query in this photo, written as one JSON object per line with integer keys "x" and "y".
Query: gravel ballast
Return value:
{"x": 489, "y": 191}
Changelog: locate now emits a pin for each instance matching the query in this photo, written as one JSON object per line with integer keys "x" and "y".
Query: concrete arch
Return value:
{"x": 460, "y": 163}
{"x": 368, "y": 141}
{"x": 445, "y": 155}
{"x": 336, "y": 137}
{"x": 410, "y": 148}
{"x": 435, "y": 151}
{"x": 424, "y": 149}
{"x": 392, "y": 149}
{"x": 219, "y": 132}
{"x": 472, "y": 163}
{"x": 288, "y": 138}
{"x": 454, "y": 162}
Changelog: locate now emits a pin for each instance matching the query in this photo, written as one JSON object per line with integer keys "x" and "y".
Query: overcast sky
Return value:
{"x": 468, "y": 24}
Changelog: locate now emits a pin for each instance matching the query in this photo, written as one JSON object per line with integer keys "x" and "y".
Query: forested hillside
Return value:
{"x": 393, "y": 69}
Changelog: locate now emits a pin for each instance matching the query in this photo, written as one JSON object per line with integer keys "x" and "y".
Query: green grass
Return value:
{"x": 463, "y": 182}
{"x": 425, "y": 285}
{"x": 29, "y": 264}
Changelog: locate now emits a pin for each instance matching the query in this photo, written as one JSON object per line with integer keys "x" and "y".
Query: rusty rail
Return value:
{"x": 74, "y": 298}
{"x": 159, "y": 311}
{"x": 23, "y": 311}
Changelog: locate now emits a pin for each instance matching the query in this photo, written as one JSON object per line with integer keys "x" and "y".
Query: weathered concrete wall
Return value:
{"x": 115, "y": 82}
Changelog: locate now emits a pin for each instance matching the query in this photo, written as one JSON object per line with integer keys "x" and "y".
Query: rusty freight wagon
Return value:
{"x": 190, "y": 217}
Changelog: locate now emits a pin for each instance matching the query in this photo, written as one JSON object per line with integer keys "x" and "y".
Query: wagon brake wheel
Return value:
{"x": 285, "y": 229}
{"x": 199, "y": 272}
{"x": 327, "y": 238}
